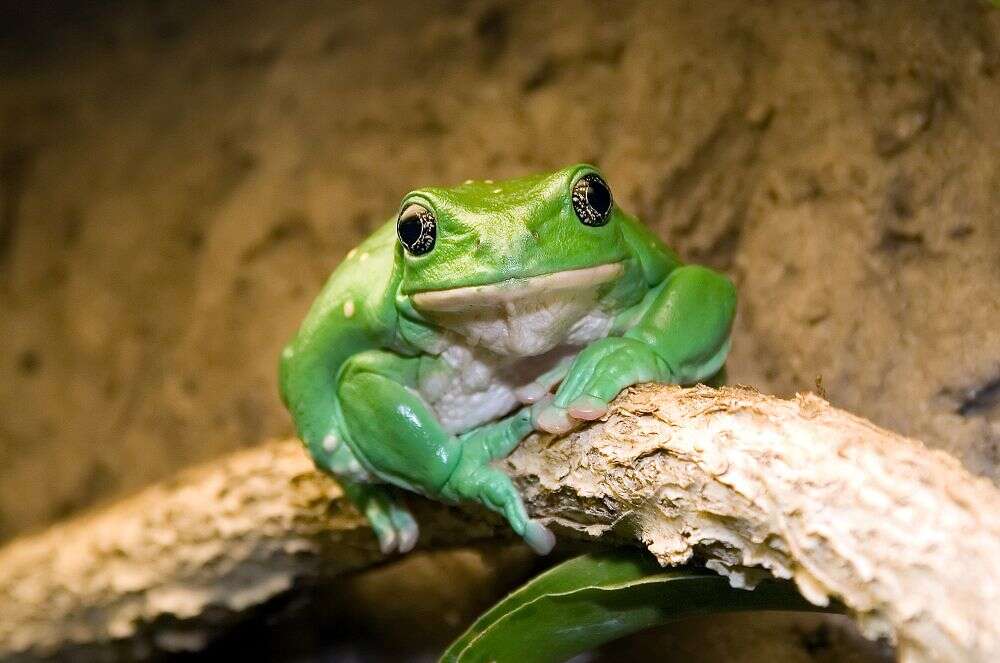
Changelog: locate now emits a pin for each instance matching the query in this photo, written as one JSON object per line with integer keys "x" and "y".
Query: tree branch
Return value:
{"x": 902, "y": 535}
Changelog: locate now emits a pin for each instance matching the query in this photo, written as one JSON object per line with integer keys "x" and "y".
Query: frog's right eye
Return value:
{"x": 592, "y": 200}
{"x": 417, "y": 229}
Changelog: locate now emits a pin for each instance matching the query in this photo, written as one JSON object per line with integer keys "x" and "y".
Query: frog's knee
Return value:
{"x": 360, "y": 364}
{"x": 393, "y": 431}
{"x": 362, "y": 381}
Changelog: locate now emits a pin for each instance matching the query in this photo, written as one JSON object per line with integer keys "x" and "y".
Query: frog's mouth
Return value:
{"x": 509, "y": 291}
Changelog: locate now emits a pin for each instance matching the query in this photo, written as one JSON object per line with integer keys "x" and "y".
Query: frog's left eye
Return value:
{"x": 592, "y": 200}
{"x": 417, "y": 229}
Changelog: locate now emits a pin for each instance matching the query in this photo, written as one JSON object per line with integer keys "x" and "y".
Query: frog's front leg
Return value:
{"x": 683, "y": 337}
{"x": 397, "y": 436}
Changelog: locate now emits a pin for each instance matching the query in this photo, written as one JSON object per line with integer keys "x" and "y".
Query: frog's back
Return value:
{"x": 355, "y": 311}
{"x": 366, "y": 279}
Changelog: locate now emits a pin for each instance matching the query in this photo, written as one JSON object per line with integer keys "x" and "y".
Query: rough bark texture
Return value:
{"x": 171, "y": 566}
{"x": 902, "y": 535}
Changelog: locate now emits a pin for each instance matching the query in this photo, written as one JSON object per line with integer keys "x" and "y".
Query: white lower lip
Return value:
{"x": 503, "y": 292}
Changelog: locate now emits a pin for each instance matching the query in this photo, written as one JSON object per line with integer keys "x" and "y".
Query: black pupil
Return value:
{"x": 416, "y": 229}
{"x": 409, "y": 230}
{"x": 592, "y": 200}
{"x": 598, "y": 196}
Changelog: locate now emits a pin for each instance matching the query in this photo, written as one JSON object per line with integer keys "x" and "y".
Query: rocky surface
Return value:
{"x": 177, "y": 179}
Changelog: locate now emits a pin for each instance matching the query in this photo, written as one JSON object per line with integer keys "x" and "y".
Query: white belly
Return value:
{"x": 502, "y": 336}
{"x": 479, "y": 383}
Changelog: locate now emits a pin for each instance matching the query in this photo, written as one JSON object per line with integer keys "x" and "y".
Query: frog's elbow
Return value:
{"x": 703, "y": 278}
{"x": 305, "y": 371}
{"x": 729, "y": 296}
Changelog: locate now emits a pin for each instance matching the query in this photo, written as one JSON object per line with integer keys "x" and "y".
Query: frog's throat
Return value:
{"x": 511, "y": 290}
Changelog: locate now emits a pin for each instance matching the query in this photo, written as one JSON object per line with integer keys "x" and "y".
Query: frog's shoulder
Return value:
{"x": 655, "y": 257}
{"x": 372, "y": 269}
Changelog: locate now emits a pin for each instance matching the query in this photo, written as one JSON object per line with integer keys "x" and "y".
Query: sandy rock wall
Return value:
{"x": 176, "y": 180}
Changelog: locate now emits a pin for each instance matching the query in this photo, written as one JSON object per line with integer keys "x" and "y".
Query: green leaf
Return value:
{"x": 593, "y": 599}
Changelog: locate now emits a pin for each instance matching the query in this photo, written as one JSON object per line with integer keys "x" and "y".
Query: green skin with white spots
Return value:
{"x": 355, "y": 378}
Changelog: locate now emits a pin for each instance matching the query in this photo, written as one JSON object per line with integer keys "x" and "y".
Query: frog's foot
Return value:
{"x": 394, "y": 525}
{"x": 542, "y": 385}
{"x": 493, "y": 489}
{"x": 599, "y": 374}
{"x": 475, "y": 479}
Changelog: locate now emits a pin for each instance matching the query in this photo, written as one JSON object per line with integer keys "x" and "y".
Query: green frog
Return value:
{"x": 481, "y": 313}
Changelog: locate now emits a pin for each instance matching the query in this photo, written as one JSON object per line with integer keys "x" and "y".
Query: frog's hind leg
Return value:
{"x": 395, "y": 432}
{"x": 393, "y": 524}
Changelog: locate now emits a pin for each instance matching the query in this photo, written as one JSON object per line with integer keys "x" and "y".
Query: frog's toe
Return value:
{"x": 387, "y": 538}
{"x": 394, "y": 526}
{"x": 551, "y": 418}
{"x": 555, "y": 420}
{"x": 587, "y": 408}
{"x": 541, "y": 386}
{"x": 539, "y": 537}
{"x": 531, "y": 393}
{"x": 407, "y": 530}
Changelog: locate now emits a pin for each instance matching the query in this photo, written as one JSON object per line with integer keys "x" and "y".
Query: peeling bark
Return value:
{"x": 902, "y": 535}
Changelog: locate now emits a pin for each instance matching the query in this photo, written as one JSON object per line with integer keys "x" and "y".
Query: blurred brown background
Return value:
{"x": 178, "y": 178}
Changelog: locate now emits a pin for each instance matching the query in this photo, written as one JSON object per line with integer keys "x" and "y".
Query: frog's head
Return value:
{"x": 487, "y": 241}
